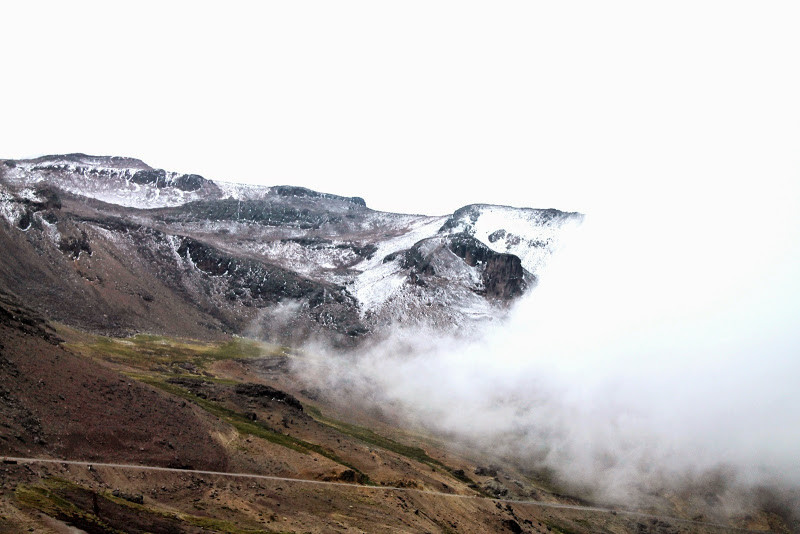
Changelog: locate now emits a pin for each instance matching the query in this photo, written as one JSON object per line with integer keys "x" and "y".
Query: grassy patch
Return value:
{"x": 559, "y": 529}
{"x": 211, "y": 523}
{"x": 246, "y": 426}
{"x": 243, "y": 348}
{"x": 68, "y": 502}
{"x": 368, "y": 436}
{"x": 149, "y": 352}
{"x": 50, "y": 499}
{"x": 152, "y": 359}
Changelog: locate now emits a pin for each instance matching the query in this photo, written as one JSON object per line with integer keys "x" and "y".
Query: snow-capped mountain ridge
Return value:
{"x": 117, "y": 180}
{"x": 238, "y": 252}
{"x": 132, "y": 183}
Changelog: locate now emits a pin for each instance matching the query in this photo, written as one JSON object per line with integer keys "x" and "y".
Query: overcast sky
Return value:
{"x": 422, "y": 106}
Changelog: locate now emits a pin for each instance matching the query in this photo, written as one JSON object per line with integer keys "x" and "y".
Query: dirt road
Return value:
{"x": 596, "y": 509}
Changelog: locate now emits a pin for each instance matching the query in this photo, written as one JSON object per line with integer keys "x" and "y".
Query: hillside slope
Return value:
{"x": 234, "y": 407}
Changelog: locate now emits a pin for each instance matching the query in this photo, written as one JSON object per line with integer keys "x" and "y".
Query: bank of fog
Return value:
{"x": 643, "y": 362}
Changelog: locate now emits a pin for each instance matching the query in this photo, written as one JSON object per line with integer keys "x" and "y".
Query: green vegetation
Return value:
{"x": 219, "y": 525}
{"x": 48, "y": 498}
{"x": 153, "y": 359}
{"x": 368, "y": 436}
{"x": 66, "y": 500}
{"x": 159, "y": 353}
{"x": 558, "y": 529}
{"x": 156, "y": 359}
{"x": 249, "y": 427}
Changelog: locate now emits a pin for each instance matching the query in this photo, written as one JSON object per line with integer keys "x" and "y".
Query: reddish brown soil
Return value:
{"x": 55, "y": 403}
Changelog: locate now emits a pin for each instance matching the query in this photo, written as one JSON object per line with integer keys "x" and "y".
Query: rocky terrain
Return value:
{"x": 112, "y": 245}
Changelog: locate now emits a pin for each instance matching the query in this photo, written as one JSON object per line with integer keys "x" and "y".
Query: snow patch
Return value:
{"x": 238, "y": 191}
{"x": 9, "y": 208}
{"x": 376, "y": 285}
{"x": 109, "y": 183}
{"x": 532, "y": 235}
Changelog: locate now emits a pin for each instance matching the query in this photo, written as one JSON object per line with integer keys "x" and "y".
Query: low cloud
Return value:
{"x": 650, "y": 359}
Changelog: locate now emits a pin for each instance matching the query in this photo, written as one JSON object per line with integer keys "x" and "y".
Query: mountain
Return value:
{"x": 187, "y": 427}
{"x": 112, "y": 245}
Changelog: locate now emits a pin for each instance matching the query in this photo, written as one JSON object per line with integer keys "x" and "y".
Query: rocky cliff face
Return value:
{"x": 113, "y": 245}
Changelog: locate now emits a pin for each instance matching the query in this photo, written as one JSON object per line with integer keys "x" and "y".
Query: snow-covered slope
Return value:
{"x": 240, "y": 251}
{"x": 122, "y": 181}
{"x": 530, "y": 234}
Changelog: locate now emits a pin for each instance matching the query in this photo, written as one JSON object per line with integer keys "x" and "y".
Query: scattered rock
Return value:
{"x": 495, "y": 488}
{"x": 261, "y": 391}
{"x": 490, "y": 471}
{"x": 512, "y": 526}
{"x": 74, "y": 245}
{"x": 137, "y": 498}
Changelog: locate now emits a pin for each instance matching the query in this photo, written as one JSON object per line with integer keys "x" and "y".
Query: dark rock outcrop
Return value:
{"x": 503, "y": 275}
{"x": 261, "y": 391}
{"x": 156, "y": 177}
{"x": 262, "y": 281}
{"x": 490, "y": 471}
{"x": 159, "y": 179}
{"x": 512, "y": 526}
{"x": 47, "y": 201}
{"x": 189, "y": 182}
{"x": 261, "y": 284}
{"x": 419, "y": 263}
{"x": 294, "y": 191}
{"x": 136, "y": 498}
{"x": 257, "y": 211}
{"x": 74, "y": 245}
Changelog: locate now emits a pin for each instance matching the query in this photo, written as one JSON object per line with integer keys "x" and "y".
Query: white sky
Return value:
{"x": 422, "y": 106}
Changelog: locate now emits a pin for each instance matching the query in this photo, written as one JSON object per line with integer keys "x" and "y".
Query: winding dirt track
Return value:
{"x": 542, "y": 504}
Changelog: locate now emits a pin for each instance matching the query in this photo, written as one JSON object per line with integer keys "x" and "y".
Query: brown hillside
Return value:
{"x": 55, "y": 403}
